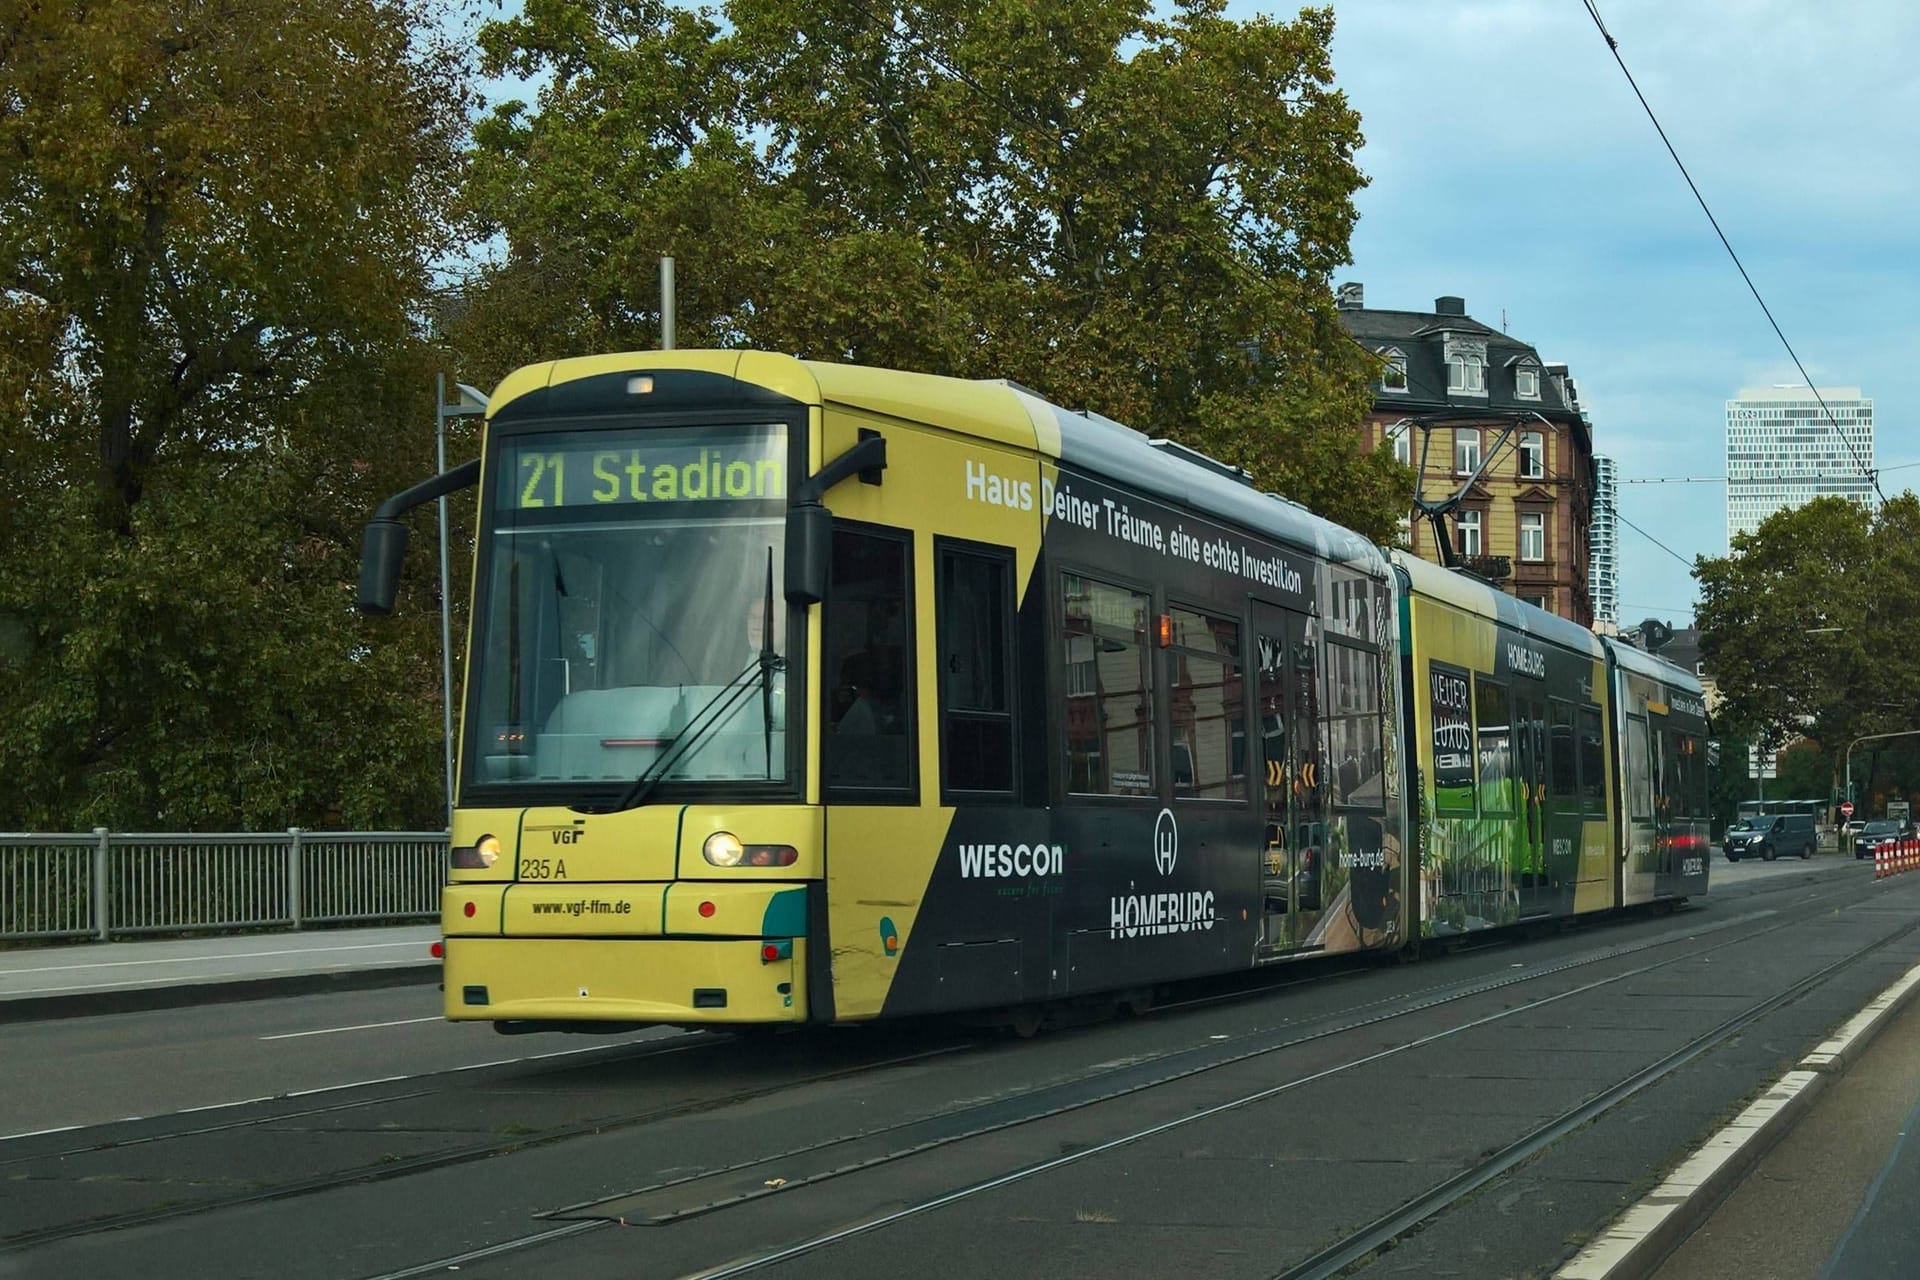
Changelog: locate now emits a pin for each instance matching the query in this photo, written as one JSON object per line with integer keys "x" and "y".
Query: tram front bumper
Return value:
{"x": 676, "y": 981}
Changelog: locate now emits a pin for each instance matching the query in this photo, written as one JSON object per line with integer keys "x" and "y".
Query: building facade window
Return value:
{"x": 1394, "y": 378}
{"x": 1526, "y": 382}
{"x": 1402, "y": 438}
{"x": 1533, "y": 535}
{"x": 1533, "y": 455}
{"x": 1466, "y": 449}
{"x": 1468, "y": 523}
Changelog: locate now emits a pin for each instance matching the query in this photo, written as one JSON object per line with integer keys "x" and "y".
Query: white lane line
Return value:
{"x": 692, "y": 1037}
{"x": 218, "y": 957}
{"x": 1622, "y": 1248}
{"x": 358, "y": 1026}
{"x": 22, "y": 993}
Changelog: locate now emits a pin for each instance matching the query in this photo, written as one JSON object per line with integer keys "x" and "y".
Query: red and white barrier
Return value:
{"x": 1891, "y": 857}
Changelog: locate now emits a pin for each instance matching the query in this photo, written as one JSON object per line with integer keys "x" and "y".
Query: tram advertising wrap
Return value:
{"x": 802, "y": 692}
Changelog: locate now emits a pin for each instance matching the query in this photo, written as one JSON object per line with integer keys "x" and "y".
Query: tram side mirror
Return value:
{"x": 380, "y": 556}
{"x": 809, "y": 552}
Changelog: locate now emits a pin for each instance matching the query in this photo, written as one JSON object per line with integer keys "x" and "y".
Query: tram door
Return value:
{"x": 1287, "y": 689}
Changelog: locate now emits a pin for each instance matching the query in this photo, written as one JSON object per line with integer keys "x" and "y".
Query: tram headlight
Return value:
{"x": 479, "y": 855}
{"x": 723, "y": 849}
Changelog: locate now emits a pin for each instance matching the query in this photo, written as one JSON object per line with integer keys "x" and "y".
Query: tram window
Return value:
{"x": 1207, "y": 708}
{"x": 1352, "y": 772}
{"x": 1452, "y": 717}
{"x": 1560, "y": 751}
{"x": 1639, "y": 766}
{"x": 869, "y": 642}
{"x": 1695, "y": 755}
{"x": 1109, "y": 693}
{"x": 1493, "y": 725}
{"x": 975, "y": 624}
{"x": 1593, "y": 768}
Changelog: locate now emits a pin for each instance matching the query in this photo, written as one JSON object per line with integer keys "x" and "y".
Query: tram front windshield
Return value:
{"x": 623, "y": 589}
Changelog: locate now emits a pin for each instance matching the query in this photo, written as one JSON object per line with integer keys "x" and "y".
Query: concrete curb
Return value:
{"x": 1640, "y": 1239}
{"x": 80, "y": 1004}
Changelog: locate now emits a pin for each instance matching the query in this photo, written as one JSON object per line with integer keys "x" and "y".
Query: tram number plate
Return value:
{"x": 543, "y": 868}
{"x": 1693, "y": 866}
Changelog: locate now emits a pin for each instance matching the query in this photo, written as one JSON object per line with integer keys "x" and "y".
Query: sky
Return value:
{"x": 1510, "y": 164}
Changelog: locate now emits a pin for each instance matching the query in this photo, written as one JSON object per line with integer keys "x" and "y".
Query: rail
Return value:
{"x": 106, "y": 885}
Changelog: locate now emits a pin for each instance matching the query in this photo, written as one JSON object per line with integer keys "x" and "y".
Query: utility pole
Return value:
{"x": 470, "y": 403}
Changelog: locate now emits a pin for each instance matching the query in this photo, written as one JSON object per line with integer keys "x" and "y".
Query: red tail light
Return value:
{"x": 438, "y": 950}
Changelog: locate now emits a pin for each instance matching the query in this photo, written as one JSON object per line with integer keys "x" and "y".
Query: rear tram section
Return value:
{"x": 811, "y": 693}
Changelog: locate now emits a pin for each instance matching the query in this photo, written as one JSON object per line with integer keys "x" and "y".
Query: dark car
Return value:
{"x": 1872, "y": 835}
{"x": 1768, "y": 838}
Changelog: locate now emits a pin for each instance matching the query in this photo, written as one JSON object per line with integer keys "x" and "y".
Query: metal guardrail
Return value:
{"x": 105, "y": 885}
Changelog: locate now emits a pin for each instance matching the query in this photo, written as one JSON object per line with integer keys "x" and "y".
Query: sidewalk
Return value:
{"x": 1836, "y": 1197}
{"x": 1817, "y": 1177}
{"x": 120, "y": 977}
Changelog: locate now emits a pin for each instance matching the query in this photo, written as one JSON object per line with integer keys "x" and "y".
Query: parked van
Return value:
{"x": 1781, "y": 835}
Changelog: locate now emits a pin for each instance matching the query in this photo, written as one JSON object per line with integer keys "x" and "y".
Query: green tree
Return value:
{"x": 216, "y": 224}
{"x": 1805, "y": 625}
{"x": 1132, "y": 213}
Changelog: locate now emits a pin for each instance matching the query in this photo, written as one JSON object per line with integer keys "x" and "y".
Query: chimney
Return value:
{"x": 1351, "y": 296}
{"x": 1450, "y": 306}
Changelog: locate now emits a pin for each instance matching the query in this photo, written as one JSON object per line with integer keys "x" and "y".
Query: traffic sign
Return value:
{"x": 1846, "y": 809}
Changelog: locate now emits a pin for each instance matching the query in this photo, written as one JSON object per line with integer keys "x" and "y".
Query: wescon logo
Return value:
{"x": 1145, "y": 915}
{"x": 1011, "y": 861}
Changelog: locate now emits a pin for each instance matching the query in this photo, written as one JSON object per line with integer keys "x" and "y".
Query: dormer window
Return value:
{"x": 1394, "y": 378}
{"x": 1467, "y": 375}
{"x": 1526, "y": 382}
{"x": 1466, "y": 358}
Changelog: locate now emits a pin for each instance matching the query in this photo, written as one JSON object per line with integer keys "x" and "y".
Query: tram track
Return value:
{"x": 739, "y": 1184}
{"x": 1138, "y": 1074}
{"x": 391, "y": 1169}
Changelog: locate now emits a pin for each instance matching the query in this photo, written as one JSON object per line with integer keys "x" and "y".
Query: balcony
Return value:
{"x": 1492, "y": 568}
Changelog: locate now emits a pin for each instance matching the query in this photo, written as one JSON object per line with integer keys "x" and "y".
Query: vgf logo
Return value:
{"x": 1166, "y": 842}
{"x": 567, "y": 836}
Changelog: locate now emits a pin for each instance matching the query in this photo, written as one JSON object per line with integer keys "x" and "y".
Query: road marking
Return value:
{"x": 1623, "y": 1247}
{"x": 358, "y": 1026}
{"x": 693, "y": 1038}
{"x": 223, "y": 955}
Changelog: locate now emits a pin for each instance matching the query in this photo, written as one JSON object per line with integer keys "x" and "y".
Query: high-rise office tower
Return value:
{"x": 1783, "y": 450}
{"x": 1602, "y": 541}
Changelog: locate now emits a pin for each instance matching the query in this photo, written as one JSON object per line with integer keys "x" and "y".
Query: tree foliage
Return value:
{"x": 216, "y": 222}
{"x": 1806, "y": 624}
{"x": 1132, "y": 213}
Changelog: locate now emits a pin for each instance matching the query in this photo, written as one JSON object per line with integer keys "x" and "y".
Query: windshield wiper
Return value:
{"x": 714, "y": 712}
{"x": 695, "y": 730}
{"x": 767, "y": 658}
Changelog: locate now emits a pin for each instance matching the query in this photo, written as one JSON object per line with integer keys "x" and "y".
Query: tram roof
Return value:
{"x": 1173, "y": 473}
{"x": 1640, "y": 662}
{"x": 995, "y": 410}
{"x": 1474, "y": 596}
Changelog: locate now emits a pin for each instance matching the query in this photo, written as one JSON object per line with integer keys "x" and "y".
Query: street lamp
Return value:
{"x": 470, "y": 404}
{"x": 1869, "y": 737}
